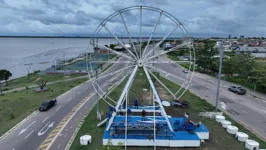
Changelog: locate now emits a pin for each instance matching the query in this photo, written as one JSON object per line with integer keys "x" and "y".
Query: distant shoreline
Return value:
{"x": 83, "y": 37}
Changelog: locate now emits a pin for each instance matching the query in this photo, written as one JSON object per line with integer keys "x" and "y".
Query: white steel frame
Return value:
{"x": 143, "y": 59}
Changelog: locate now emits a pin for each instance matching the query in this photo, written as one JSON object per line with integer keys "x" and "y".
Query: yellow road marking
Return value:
{"x": 45, "y": 145}
{"x": 53, "y": 134}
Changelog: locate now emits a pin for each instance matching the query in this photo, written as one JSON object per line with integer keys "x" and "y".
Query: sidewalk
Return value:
{"x": 65, "y": 80}
{"x": 255, "y": 94}
{"x": 227, "y": 84}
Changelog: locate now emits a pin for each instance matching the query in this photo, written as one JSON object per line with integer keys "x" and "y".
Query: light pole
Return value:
{"x": 219, "y": 74}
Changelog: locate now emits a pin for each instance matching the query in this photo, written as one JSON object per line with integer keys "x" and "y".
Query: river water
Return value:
{"x": 17, "y": 53}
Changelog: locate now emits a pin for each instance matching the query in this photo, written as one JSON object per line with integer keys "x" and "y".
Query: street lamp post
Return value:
{"x": 219, "y": 74}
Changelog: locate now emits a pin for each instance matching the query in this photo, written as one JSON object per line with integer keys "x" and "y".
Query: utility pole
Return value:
{"x": 1, "y": 86}
{"x": 64, "y": 63}
{"x": 219, "y": 74}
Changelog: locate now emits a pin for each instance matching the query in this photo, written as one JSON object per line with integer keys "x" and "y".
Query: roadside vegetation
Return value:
{"x": 238, "y": 67}
{"x": 31, "y": 80}
{"x": 219, "y": 138}
{"x": 16, "y": 106}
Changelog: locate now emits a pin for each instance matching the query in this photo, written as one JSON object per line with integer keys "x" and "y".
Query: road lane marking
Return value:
{"x": 55, "y": 133}
{"x": 65, "y": 135}
{"x": 29, "y": 134}
{"x": 58, "y": 146}
{"x": 41, "y": 132}
{"x": 69, "y": 99}
{"x": 45, "y": 119}
{"x": 78, "y": 92}
{"x": 44, "y": 146}
{"x": 57, "y": 108}
{"x": 23, "y": 130}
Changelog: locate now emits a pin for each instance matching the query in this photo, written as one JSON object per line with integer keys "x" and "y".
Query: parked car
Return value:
{"x": 238, "y": 90}
{"x": 46, "y": 105}
{"x": 179, "y": 103}
{"x": 185, "y": 71}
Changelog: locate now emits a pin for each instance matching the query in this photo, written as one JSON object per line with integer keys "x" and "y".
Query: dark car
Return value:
{"x": 46, "y": 105}
{"x": 180, "y": 103}
{"x": 238, "y": 90}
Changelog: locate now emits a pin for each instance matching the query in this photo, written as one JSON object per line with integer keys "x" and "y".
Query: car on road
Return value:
{"x": 46, "y": 105}
{"x": 185, "y": 71}
{"x": 239, "y": 90}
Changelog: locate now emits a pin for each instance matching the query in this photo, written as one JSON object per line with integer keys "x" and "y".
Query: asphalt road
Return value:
{"x": 64, "y": 117}
{"x": 246, "y": 109}
{"x": 54, "y": 128}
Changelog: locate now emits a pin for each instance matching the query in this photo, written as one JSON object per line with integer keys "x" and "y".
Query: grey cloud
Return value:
{"x": 204, "y": 16}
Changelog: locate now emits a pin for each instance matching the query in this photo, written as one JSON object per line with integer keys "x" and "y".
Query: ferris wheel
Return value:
{"x": 139, "y": 56}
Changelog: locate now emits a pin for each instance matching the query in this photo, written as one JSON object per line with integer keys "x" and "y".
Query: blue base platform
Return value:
{"x": 142, "y": 134}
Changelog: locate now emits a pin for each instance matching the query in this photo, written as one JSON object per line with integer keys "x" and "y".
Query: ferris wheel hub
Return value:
{"x": 140, "y": 63}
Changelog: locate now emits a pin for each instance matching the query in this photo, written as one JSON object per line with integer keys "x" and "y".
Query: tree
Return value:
{"x": 5, "y": 75}
{"x": 112, "y": 46}
{"x": 258, "y": 75}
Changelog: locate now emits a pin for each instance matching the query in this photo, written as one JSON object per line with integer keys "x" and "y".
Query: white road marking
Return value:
{"x": 58, "y": 146}
{"x": 78, "y": 92}
{"x": 45, "y": 119}
{"x": 69, "y": 99}
{"x": 57, "y": 108}
{"x": 48, "y": 126}
{"x": 23, "y": 130}
{"x": 65, "y": 135}
{"x": 244, "y": 111}
{"x": 60, "y": 134}
{"x": 29, "y": 134}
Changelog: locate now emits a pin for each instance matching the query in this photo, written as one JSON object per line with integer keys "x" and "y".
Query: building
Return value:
{"x": 168, "y": 45}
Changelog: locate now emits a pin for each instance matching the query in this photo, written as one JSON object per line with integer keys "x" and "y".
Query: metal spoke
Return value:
{"x": 158, "y": 99}
{"x": 187, "y": 75}
{"x": 162, "y": 40}
{"x": 103, "y": 93}
{"x": 167, "y": 51}
{"x": 152, "y": 33}
{"x": 113, "y": 62}
{"x": 169, "y": 62}
{"x": 130, "y": 39}
{"x": 113, "y": 51}
{"x": 118, "y": 83}
{"x": 166, "y": 73}
{"x": 113, "y": 73}
{"x": 140, "y": 30}
{"x": 120, "y": 42}
{"x": 106, "y": 95}
{"x": 162, "y": 84}
{"x": 122, "y": 96}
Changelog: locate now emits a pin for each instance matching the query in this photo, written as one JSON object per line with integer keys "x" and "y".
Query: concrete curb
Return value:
{"x": 236, "y": 120}
{"x": 85, "y": 116}
{"x": 71, "y": 140}
{"x": 33, "y": 113}
{"x": 21, "y": 122}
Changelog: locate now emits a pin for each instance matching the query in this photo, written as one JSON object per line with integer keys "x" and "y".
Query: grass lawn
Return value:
{"x": 219, "y": 138}
{"x": 15, "y": 106}
{"x": 23, "y": 81}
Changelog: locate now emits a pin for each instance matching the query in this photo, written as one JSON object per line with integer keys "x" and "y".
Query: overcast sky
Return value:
{"x": 81, "y": 17}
